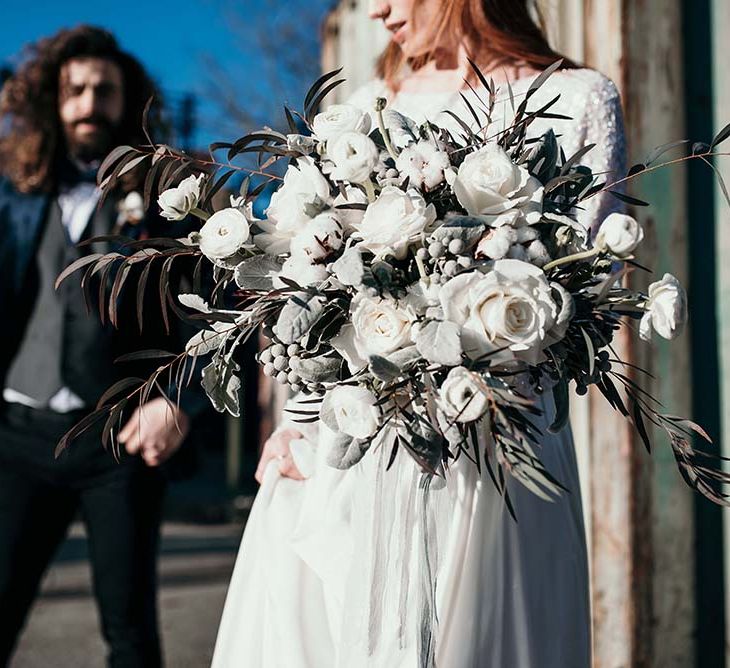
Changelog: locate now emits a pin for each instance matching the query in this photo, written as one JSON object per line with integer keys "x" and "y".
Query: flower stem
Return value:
{"x": 200, "y": 213}
{"x": 422, "y": 270}
{"x": 369, "y": 190}
{"x": 379, "y": 106}
{"x": 584, "y": 255}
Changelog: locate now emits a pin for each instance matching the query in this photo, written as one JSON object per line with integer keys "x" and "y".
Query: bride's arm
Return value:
{"x": 604, "y": 127}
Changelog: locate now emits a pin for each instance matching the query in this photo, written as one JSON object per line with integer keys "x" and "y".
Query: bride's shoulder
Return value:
{"x": 591, "y": 85}
{"x": 364, "y": 96}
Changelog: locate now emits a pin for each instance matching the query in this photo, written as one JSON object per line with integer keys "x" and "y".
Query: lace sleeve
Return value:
{"x": 604, "y": 127}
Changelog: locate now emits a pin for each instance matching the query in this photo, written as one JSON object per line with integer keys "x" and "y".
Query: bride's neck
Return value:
{"x": 448, "y": 70}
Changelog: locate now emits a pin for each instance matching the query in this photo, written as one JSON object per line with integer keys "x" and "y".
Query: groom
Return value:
{"x": 76, "y": 98}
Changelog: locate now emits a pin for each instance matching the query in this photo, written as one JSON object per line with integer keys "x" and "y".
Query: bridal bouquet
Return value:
{"x": 418, "y": 286}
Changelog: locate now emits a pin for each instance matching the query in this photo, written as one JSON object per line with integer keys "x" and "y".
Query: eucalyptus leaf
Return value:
{"x": 222, "y": 387}
{"x": 562, "y": 406}
{"x": 426, "y": 443}
{"x": 257, "y": 273}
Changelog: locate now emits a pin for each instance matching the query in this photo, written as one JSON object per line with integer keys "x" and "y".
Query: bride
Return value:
{"x": 364, "y": 567}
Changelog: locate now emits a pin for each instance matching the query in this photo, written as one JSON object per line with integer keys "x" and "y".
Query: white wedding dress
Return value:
{"x": 341, "y": 570}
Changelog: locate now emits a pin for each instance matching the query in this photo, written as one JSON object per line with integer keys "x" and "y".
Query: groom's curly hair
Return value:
{"x": 31, "y": 134}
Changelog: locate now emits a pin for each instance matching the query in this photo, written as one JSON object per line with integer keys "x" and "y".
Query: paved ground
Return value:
{"x": 195, "y": 567}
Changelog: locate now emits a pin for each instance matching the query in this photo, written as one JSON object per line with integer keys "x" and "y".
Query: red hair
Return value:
{"x": 496, "y": 32}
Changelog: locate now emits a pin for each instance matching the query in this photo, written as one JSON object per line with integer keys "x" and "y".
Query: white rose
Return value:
{"x": 354, "y": 410}
{"x": 224, "y": 234}
{"x": 423, "y": 164}
{"x": 377, "y": 327}
{"x": 488, "y": 183}
{"x": 350, "y": 218}
{"x": 619, "y": 235}
{"x": 304, "y": 186}
{"x": 462, "y": 397}
{"x": 176, "y": 203}
{"x": 338, "y": 119}
{"x": 666, "y": 309}
{"x": 319, "y": 239}
{"x": 354, "y": 155}
{"x": 299, "y": 269}
{"x": 509, "y": 307}
{"x": 393, "y": 221}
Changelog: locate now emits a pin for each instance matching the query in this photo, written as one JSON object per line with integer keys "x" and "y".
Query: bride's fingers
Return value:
{"x": 288, "y": 468}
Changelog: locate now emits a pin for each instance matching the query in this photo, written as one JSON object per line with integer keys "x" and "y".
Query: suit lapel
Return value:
{"x": 26, "y": 215}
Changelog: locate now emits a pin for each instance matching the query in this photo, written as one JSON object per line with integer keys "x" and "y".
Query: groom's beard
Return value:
{"x": 90, "y": 147}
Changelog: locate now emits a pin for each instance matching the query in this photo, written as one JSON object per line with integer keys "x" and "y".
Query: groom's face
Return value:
{"x": 91, "y": 106}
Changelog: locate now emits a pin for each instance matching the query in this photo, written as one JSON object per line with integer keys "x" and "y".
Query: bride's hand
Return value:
{"x": 277, "y": 447}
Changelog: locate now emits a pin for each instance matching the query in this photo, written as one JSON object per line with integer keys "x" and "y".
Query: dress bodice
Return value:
{"x": 590, "y": 99}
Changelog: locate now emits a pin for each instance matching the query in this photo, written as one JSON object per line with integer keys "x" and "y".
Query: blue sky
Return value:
{"x": 173, "y": 38}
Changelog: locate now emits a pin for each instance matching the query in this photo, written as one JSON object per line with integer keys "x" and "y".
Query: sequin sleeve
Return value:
{"x": 604, "y": 127}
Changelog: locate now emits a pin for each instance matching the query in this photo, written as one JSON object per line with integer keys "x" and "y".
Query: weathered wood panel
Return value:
{"x": 720, "y": 22}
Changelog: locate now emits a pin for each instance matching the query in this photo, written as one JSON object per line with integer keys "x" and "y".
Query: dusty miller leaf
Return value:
{"x": 440, "y": 342}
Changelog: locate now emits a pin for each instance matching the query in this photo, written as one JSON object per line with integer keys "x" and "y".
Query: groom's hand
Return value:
{"x": 155, "y": 431}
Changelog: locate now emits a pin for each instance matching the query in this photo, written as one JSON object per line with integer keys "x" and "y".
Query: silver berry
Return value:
{"x": 293, "y": 378}
{"x": 265, "y": 356}
{"x": 269, "y": 369}
{"x": 281, "y": 377}
{"x": 292, "y": 349}
{"x": 456, "y": 246}
{"x": 280, "y": 362}
{"x": 450, "y": 267}
{"x": 278, "y": 349}
{"x": 436, "y": 249}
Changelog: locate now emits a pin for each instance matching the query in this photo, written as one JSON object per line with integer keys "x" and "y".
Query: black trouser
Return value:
{"x": 120, "y": 503}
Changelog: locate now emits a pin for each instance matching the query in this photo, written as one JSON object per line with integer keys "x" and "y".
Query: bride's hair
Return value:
{"x": 496, "y": 32}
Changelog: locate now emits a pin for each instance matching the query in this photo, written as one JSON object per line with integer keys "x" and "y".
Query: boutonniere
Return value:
{"x": 130, "y": 210}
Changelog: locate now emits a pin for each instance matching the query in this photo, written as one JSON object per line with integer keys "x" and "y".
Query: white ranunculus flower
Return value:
{"x": 354, "y": 155}
{"x": 224, "y": 234}
{"x": 423, "y": 163}
{"x": 355, "y": 410}
{"x": 319, "y": 239}
{"x": 511, "y": 307}
{"x": 488, "y": 183}
{"x": 377, "y": 327}
{"x": 619, "y": 235}
{"x": 304, "y": 186}
{"x": 461, "y": 396}
{"x": 176, "y": 203}
{"x": 300, "y": 270}
{"x": 666, "y": 309}
{"x": 350, "y": 218}
{"x": 338, "y": 119}
{"x": 393, "y": 221}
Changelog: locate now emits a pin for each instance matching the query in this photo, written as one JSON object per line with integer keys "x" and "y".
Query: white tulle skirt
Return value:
{"x": 367, "y": 567}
